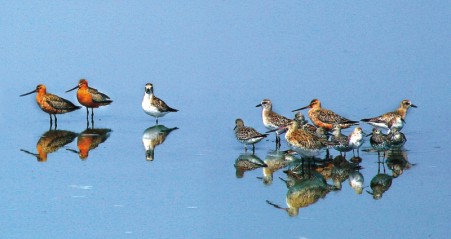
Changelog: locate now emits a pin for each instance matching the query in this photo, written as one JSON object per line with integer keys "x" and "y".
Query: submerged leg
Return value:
{"x": 253, "y": 148}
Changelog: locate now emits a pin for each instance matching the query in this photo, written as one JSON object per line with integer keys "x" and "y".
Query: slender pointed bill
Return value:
{"x": 305, "y": 107}
{"x": 259, "y": 105}
{"x": 72, "y": 89}
{"x": 31, "y": 92}
{"x": 414, "y": 106}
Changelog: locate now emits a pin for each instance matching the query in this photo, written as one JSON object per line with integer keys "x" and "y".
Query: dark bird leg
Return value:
{"x": 253, "y": 148}
{"x": 156, "y": 121}
{"x": 56, "y": 121}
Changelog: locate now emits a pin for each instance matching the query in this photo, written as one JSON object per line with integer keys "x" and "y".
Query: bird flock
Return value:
{"x": 92, "y": 98}
{"x": 309, "y": 140}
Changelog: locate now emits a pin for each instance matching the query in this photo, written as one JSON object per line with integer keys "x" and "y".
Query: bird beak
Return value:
{"x": 414, "y": 106}
{"x": 28, "y": 93}
{"x": 72, "y": 89}
{"x": 369, "y": 134}
{"x": 259, "y": 105}
{"x": 305, "y": 107}
{"x": 234, "y": 128}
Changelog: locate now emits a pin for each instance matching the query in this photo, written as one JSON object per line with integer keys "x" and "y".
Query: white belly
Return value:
{"x": 150, "y": 109}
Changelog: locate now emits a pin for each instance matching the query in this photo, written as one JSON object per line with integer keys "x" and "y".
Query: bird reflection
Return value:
{"x": 50, "y": 142}
{"x": 247, "y": 162}
{"x": 304, "y": 189}
{"x": 90, "y": 139}
{"x": 397, "y": 161}
{"x": 380, "y": 183}
{"x": 275, "y": 160}
{"x": 342, "y": 169}
{"x": 154, "y": 136}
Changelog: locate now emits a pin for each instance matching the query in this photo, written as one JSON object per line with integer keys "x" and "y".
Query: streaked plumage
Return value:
{"x": 391, "y": 119}
{"x": 247, "y": 135}
{"x": 272, "y": 120}
{"x": 379, "y": 141}
{"x": 326, "y": 118}
{"x": 300, "y": 118}
{"x": 153, "y": 105}
{"x": 397, "y": 138}
{"x": 304, "y": 142}
{"x": 341, "y": 141}
{"x": 52, "y": 104}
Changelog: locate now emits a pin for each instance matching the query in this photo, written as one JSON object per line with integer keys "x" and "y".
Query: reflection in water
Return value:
{"x": 356, "y": 181}
{"x": 397, "y": 162}
{"x": 275, "y": 160}
{"x": 50, "y": 142}
{"x": 304, "y": 189}
{"x": 341, "y": 170}
{"x": 154, "y": 136}
{"x": 90, "y": 139}
{"x": 247, "y": 162}
{"x": 380, "y": 183}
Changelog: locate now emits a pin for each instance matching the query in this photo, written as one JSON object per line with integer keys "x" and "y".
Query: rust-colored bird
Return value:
{"x": 391, "y": 119}
{"x": 326, "y": 118}
{"x": 52, "y": 104}
{"x": 90, "y": 97}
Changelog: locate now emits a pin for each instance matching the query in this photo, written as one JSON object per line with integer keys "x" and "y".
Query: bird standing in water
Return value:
{"x": 52, "y": 104}
{"x": 90, "y": 98}
{"x": 153, "y": 105}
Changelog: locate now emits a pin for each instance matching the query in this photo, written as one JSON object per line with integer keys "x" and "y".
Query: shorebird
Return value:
{"x": 356, "y": 139}
{"x": 153, "y": 105}
{"x": 52, "y": 104}
{"x": 247, "y": 135}
{"x": 379, "y": 141}
{"x": 326, "y": 118}
{"x": 90, "y": 139}
{"x": 397, "y": 138}
{"x": 272, "y": 120}
{"x": 90, "y": 97}
{"x": 391, "y": 119}
{"x": 341, "y": 141}
{"x": 304, "y": 142}
{"x": 300, "y": 118}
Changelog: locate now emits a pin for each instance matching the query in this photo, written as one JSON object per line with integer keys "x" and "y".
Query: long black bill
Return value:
{"x": 72, "y": 89}
{"x": 258, "y": 105}
{"x": 305, "y": 107}
{"x": 414, "y": 106}
{"x": 31, "y": 92}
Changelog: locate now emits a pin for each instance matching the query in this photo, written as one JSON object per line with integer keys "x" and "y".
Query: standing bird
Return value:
{"x": 356, "y": 139}
{"x": 90, "y": 98}
{"x": 379, "y": 141}
{"x": 325, "y": 118}
{"x": 153, "y": 105}
{"x": 389, "y": 120}
{"x": 52, "y": 104}
{"x": 272, "y": 120}
{"x": 341, "y": 141}
{"x": 247, "y": 135}
{"x": 304, "y": 142}
{"x": 300, "y": 118}
{"x": 397, "y": 139}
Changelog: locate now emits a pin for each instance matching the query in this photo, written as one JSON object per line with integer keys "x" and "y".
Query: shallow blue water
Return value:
{"x": 215, "y": 62}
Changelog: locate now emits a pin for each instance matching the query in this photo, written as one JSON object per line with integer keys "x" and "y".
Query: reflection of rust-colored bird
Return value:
{"x": 50, "y": 142}
{"x": 90, "y": 97}
{"x": 326, "y": 118}
{"x": 388, "y": 120}
{"x": 52, "y": 104}
{"x": 306, "y": 190}
{"x": 89, "y": 139}
{"x": 154, "y": 136}
{"x": 247, "y": 162}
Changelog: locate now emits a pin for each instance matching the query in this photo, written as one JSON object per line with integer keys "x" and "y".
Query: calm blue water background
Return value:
{"x": 214, "y": 61}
